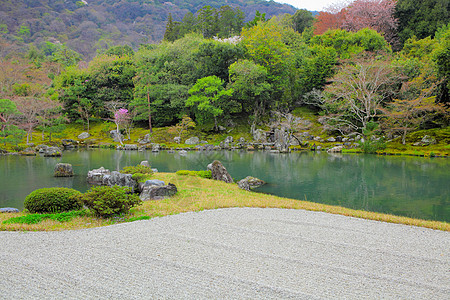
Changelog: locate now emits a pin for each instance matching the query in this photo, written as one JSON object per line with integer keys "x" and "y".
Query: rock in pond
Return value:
{"x": 95, "y": 176}
{"x": 145, "y": 163}
{"x": 9, "y": 210}
{"x": 52, "y": 152}
{"x": 219, "y": 172}
{"x": 63, "y": 170}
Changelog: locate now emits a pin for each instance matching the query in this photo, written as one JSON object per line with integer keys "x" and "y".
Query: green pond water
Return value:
{"x": 407, "y": 186}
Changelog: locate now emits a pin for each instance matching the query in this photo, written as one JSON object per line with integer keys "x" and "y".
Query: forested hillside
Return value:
{"x": 89, "y": 26}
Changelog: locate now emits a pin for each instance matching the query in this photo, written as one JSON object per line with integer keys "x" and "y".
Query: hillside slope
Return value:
{"x": 90, "y": 25}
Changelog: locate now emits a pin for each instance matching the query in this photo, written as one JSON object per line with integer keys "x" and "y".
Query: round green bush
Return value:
{"x": 52, "y": 200}
{"x": 106, "y": 201}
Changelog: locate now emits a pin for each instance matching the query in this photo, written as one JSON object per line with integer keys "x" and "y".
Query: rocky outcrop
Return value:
{"x": 103, "y": 176}
{"x": 260, "y": 136}
{"x": 83, "y": 136}
{"x": 177, "y": 139}
{"x": 219, "y": 172}
{"x": 156, "y": 190}
{"x": 156, "y": 148}
{"x": 145, "y": 163}
{"x": 250, "y": 182}
{"x": 130, "y": 147}
{"x": 192, "y": 141}
{"x": 63, "y": 170}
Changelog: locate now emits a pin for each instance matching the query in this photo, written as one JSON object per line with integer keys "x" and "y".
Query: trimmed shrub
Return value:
{"x": 106, "y": 201}
{"x": 52, "y": 200}
{"x": 137, "y": 169}
{"x": 203, "y": 174}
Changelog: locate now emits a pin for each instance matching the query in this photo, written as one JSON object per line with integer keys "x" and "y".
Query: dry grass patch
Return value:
{"x": 197, "y": 194}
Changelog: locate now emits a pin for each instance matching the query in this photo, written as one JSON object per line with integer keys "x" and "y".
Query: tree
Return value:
{"x": 51, "y": 118}
{"x": 206, "y": 97}
{"x": 251, "y": 87}
{"x": 302, "y": 19}
{"x": 421, "y": 18}
{"x": 405, "y": 115}
{"x": 121, "y": 117}
{"x": 7, "y": 110}
{"x": 357, "y": 92}
{"x": 12, "y": 134}
{"x": 372, "y": 14}
{"x": 170, "y": 33}
{"x": 30, "y": 107}
{"x": 208, "y": 21}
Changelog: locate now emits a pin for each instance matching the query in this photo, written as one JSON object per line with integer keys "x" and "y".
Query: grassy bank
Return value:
{"x": 197, "y": 194}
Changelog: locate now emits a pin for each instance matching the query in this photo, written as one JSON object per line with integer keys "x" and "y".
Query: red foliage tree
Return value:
{"x": 373, "y": 14}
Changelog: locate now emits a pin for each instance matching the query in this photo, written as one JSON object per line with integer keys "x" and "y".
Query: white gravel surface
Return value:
{"x": 238, "y": 253}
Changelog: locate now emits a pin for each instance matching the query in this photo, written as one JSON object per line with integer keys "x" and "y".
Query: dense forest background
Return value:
{"x": 371, "y": 65}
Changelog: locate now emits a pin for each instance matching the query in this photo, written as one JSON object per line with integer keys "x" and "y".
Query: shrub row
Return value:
{"x": 203, "y": 174}
{"x": 103, "y": 201}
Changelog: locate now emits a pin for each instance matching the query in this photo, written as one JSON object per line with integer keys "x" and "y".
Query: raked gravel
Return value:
{"x": 237, "y": 253}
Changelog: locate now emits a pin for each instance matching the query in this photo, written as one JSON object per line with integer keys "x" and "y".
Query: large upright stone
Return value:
{"x": 156, "y": 190}
{"x": 219, "y": 172}
{"x": 63, "y": 170}
{"x": 117, "y": 178}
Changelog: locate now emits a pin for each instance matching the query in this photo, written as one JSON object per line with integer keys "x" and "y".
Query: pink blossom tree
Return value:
{"x": 120, "y": 117}
{"x": 373, "y": 14}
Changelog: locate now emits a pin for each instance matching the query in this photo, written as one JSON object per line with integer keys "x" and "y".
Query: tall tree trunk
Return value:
{"x": 149, "y": 112}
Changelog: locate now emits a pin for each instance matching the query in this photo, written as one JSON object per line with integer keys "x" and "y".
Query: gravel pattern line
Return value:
{"x": 234, "y": 253}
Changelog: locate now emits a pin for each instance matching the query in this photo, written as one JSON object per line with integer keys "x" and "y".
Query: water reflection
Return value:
{"x": 409, "y": 186}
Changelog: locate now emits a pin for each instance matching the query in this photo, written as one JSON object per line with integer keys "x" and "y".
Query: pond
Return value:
{"x": 406, "y": 186}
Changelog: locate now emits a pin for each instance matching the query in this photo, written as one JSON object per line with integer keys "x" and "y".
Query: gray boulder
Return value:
{"x": 219, "y": 172}
{"x": 157, "y": 191}
{"x": 250, "y": 182}
{"x": 427, "y": 140}
{"x": 83, "y": 135}
{"x": 117, "y": 178}
{"x": 177, "y": 139}
{"x": 41, "y": 148}
{"x": 192, "y": 141}
{"x": 156, "y": 148}
{"x": 331, "y": 140}
{"x": 63, "y": 170}
{"x": 52, "y": 152}
{"x": 95, "y": 176}
{"x": 227, "y": 142}
{"x": 9, "y": 210}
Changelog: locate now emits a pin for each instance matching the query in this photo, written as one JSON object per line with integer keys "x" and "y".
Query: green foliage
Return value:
{"x": 37, "y": 218}
{"x": 208, "y": 97}
{"x": 302, "y": 19}
{"x": 52, "y": 200}
{"x": 139, "y": 177}
{"x": 371, "y": 144}
{"x": 203, "y": 174}
{"x": 105, "y": 201}
{"x": 12, "y": 134}
{"x": 137, "y": 169}
{"x": 421, "y": 18}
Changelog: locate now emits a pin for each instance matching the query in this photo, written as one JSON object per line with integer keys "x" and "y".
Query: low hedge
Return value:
{"x": 52, "y": 200}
